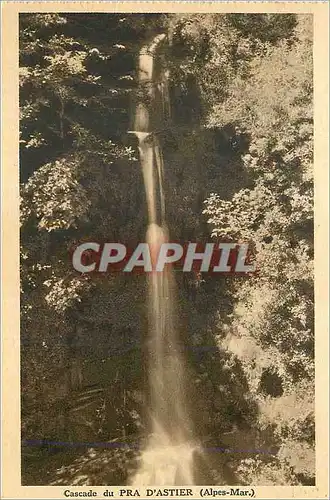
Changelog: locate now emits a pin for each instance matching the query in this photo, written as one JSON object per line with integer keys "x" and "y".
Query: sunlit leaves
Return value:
{"x": 54, "y": 195}
{"x": 272, "y": 325}
{"x": 64, "y": 293}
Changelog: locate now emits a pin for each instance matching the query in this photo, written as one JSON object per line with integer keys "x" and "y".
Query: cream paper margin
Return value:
{"x": 11, "y": 481}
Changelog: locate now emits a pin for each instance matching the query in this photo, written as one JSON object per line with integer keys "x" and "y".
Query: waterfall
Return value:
{"x": 168, "y": 456}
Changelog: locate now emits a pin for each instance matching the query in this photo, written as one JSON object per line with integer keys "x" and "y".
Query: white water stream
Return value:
{"x": 168, "y": 456}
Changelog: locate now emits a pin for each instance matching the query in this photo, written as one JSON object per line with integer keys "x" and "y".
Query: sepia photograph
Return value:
{"x": 175, "y": 129}
{"x": 166, "y": 233}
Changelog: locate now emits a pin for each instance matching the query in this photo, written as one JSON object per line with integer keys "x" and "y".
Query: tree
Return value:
{"x": 271, "y": 330}
{"x": 76, "y": 78}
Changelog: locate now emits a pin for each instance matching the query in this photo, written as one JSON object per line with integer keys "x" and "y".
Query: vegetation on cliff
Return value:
{"x": 238, "y": 160}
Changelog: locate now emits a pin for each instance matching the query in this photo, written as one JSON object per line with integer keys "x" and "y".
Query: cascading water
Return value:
{"x": 168, "y": 456}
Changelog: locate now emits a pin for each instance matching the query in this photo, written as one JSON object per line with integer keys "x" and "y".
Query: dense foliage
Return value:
{"x": 238, "y": 165}
{"x": 271, "y": 328}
